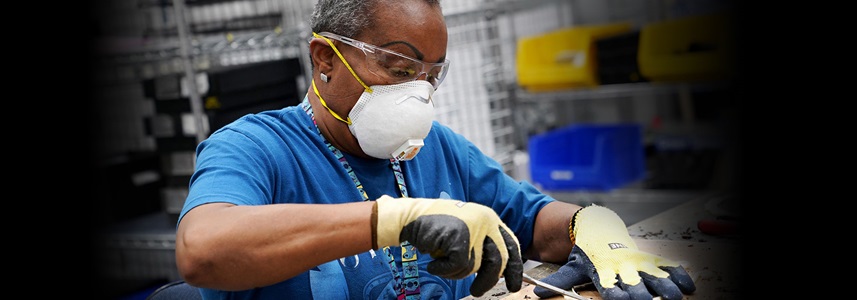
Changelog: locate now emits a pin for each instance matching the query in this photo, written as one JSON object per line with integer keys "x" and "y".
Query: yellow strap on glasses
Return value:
{"x": 368, "y": 89}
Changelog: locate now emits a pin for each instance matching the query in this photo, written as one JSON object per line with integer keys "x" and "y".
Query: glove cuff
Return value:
{"x": 389, "y": 216}
{"x": 571, "y": 222}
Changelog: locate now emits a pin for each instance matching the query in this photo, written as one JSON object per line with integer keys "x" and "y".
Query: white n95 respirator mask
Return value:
{"x": 392, "y": 120}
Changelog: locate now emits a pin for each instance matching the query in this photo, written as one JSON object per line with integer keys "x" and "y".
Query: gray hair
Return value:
{"x": 346, "y": 17}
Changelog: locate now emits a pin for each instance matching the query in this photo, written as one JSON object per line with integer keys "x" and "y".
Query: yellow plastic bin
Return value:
{"x": 695, "y": 48}
{"x": 562, "y": 59}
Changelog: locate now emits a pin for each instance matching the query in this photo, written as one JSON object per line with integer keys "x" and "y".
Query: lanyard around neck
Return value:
{"x": 409, "y": 288}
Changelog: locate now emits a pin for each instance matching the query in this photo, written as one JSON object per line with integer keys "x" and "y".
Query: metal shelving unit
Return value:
{"x": 621, "y": 90}
{"x": 151, "y": 40}
{"x": 272, "y": 29}
{"x": 675, "y": 106}
{"x": 479, "y": 108}
{"x": 631, "y": 102}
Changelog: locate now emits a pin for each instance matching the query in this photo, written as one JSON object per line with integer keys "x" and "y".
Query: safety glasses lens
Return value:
{"x": 400, "y": 69}
{"x": 436, "y": 75}
{"x": 394, "y": 67}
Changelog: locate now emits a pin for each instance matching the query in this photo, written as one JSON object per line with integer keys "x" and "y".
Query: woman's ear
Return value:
{"x": 322, "y": 55}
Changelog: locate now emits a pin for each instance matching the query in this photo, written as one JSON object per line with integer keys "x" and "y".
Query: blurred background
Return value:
{"x": 625, "y": 103}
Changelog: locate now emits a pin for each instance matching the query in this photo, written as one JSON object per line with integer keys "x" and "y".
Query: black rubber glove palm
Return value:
{"x": 463, "y": 238}
{"x": 605, "y": 255}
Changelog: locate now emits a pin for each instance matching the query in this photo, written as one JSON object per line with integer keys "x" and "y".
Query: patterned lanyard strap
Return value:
{"x": 409, "y": 287}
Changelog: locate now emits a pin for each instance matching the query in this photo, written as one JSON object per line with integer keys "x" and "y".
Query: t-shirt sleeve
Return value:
{"x": 232, "y": 168}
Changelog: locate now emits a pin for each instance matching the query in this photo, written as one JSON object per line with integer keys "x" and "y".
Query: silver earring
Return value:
{"x": 323, "y": 77}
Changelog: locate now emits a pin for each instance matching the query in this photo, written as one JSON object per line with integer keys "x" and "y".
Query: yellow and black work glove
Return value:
{"x": 462, "y": 237}
{"x": 605, "y": 255}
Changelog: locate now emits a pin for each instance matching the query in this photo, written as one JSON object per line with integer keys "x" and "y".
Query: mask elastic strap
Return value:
{"x": 335, "y": 115}
{"x": 368, "y": 89}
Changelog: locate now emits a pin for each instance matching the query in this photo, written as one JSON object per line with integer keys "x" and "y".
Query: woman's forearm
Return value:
{"x": 551, "y": 242}
{"x": 228, "y": 247}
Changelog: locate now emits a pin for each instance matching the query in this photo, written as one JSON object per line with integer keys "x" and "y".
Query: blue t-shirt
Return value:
{"x": 278, "y": 156}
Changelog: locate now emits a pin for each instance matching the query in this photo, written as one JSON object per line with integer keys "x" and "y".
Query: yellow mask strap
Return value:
{"x": 335, "y": 115}
{"x": 368, "y": 89}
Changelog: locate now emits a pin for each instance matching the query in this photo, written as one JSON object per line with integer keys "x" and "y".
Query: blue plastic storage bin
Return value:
{"x": 597, "y": 157}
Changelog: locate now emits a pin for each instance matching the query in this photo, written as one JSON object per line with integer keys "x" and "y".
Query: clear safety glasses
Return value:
{"x": 393, "y": 66}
